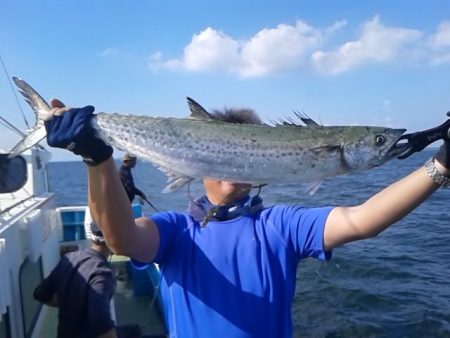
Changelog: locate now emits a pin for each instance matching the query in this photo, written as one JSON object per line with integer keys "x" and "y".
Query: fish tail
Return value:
{"x": 40, "y": 108}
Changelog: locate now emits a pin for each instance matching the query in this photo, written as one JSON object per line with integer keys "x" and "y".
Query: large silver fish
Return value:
{"x": 203, "y": 147}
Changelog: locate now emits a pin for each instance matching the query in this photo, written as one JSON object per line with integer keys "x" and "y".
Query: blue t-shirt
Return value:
{"x": 235, "y": 278}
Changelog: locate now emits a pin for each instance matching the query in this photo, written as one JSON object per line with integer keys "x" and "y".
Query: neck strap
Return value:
{"x": 202, "y": 210}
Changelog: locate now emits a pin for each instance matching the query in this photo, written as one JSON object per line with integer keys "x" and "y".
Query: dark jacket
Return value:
{"x": 84, "y": 284}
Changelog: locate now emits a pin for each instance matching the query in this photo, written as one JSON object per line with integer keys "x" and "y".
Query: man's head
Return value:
{"x": 96, "y": 234}
{"x": 129, "y": 160}
{"x": 224, "y": 192}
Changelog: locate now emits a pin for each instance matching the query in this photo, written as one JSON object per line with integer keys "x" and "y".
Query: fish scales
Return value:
{"x": 204, "y": 147}
{"x": 255, "y": 153}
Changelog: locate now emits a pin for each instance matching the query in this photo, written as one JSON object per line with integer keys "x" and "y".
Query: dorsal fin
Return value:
{"x": 289, "y": 121}
{"x": 306, "y": 119}
{"x": 197, "y": 111}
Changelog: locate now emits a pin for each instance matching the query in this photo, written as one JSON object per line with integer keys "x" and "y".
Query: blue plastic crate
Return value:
{"x": 71, "y": 217}
{"x": 73, "y": 225}
{"x": 137, "y": 210}
{"x": 73, "y": 232}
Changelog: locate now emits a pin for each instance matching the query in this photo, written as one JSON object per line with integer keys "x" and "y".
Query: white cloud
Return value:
{"x": 208, "y": 50}
{"x": 279, "y": 48}
{"x": 440, "y": 43}
{"x": 269, "y": 51}
{"x": 377, "y": 44}
{"x": 303, "y": 47}
{"x": 442, "y": 37}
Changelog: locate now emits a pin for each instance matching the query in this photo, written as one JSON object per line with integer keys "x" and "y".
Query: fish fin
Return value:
{"x": 40, "y": 108}
{"x": 197, "y": 111}
{"x": 177, "y": 183}
{"x": 38, "y": 104}
{"x": 306, "y": 119}
{"x": 289, "y": 121}
{"x": 175, "y": 180}
{"x": 313, "y": 187}
{"x": 36, "y": 134}
{"x": 326, "y": 149}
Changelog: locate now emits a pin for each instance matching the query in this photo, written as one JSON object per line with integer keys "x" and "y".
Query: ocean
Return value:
{"x": 394, "y": 285}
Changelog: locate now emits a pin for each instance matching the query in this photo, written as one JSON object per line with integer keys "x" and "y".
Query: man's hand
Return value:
{"x": 71, "y": 129}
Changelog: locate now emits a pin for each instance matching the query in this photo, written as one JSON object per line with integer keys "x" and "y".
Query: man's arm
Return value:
{"x": 45, "y": 292}
{"x": 111, "y": 209}
{"x": 53, "y": 302}
{"x": 346, "y": 224}
{"x": 108, "y": 202}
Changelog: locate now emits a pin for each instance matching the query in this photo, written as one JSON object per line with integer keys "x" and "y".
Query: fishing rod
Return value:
{"x": 149, "y": 203}
{"x": 14, "y": 92}
{"x": 419, "y": 140}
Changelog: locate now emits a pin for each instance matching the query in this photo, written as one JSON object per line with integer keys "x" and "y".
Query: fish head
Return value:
{"x": 372, "y": 147}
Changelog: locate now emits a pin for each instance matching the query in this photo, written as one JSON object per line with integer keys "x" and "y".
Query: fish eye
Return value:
{"x": 380, "y": 140}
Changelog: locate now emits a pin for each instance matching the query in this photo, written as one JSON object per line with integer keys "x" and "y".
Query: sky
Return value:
{"x": 354, "y": 62}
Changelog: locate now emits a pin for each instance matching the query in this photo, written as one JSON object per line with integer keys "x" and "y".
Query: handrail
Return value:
{"x": 15, "y": 205}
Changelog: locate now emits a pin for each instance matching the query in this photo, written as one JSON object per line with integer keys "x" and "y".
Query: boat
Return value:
{"x": 34, "y": 233}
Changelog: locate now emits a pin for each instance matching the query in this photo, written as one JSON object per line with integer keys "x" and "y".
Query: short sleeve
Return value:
{"x": 169, "y": 225}
{"x": 304, "y": 228}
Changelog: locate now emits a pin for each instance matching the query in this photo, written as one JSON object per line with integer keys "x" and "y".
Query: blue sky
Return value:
{"x": 341, "y": 62}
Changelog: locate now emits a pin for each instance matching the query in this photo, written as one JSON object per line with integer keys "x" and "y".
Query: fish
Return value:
{"x": 200, "y": 146}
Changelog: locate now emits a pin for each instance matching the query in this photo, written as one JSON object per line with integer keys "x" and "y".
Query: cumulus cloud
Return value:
{"x": 441, "y": 39}
{"x": 208, "y": 50}
{"x": 270, "y": 50}
{"x": 440, "y": 43}
{"x": 376, "y": 44}
{"x": 301, "y": 46}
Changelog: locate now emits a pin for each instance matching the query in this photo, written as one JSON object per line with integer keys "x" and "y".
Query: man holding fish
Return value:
{"x": 229, "y": 264}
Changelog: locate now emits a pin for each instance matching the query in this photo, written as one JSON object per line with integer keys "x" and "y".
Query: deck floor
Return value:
{"x": 142, "y": 310}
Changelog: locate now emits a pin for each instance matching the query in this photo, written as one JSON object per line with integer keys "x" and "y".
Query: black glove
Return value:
{"x": 443, "y": 155}
{"x": 73, "y": 131}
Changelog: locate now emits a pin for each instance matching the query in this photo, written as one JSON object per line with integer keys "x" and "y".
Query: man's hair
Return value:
{"x": 237, "y": 115}
{"x": 96, "y": 234}
{"x": 129, "y": 157}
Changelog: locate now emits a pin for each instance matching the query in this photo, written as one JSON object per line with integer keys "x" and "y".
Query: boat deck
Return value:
{"x": 135, "y": 306}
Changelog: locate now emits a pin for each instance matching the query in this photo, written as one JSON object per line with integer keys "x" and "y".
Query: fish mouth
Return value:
{"x": 399, "y": 148}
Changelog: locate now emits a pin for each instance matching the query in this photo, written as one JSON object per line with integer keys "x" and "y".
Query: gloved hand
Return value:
{"x": 443, "y": 155}
{"x": 141, "y": 200}
{"x": 73, "y": 131}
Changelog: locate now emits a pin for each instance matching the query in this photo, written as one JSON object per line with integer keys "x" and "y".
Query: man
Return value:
{"x": 128, "y": 163}
{"x": 229, "y": 265}
{"x": 81, "y": 286}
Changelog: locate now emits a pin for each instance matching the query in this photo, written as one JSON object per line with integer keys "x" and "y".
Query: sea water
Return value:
{"x": 394, "y": 285}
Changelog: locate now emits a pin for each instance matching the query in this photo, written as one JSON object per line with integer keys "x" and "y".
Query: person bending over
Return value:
{"x": 81, "y": 286}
